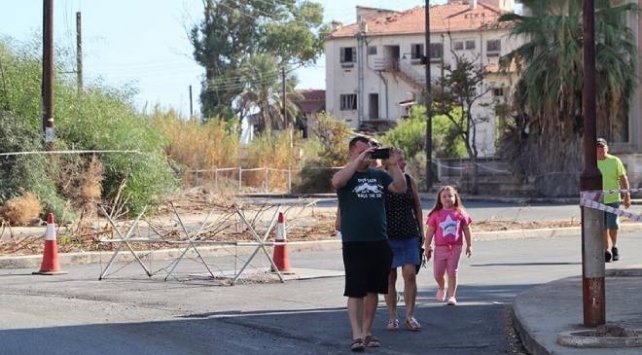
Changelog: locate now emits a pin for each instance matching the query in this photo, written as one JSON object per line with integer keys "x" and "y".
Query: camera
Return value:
{"x": 380, "y": 153}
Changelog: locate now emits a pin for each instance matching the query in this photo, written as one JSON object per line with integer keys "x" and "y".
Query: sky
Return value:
{"x": 143, "y": 43}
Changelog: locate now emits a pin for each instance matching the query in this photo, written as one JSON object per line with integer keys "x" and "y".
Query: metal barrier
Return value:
{"x": 186, "y": 239}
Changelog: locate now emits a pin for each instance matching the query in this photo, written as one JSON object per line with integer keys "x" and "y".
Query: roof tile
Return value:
{"x": 453, "y": 17}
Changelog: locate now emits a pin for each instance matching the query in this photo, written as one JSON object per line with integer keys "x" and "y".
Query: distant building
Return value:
{"x": 311, "y": 104}
{"x": 374, "y": 70}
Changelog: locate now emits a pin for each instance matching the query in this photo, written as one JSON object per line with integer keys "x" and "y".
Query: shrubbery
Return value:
{"x": 99, "y": 119}
{"x": 331, "y": 136}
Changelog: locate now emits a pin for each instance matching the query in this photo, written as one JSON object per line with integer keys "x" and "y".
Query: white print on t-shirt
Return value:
{"x": 448, "y": 227}
{"x": 368, "y": 188}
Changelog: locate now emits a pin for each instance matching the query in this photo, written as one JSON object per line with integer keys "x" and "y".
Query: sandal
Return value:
{"x": 371, "y": 342}
{"x": 412, "y": 324}
{"x": 357, "y": 345}
{"x": 393, "y": 324}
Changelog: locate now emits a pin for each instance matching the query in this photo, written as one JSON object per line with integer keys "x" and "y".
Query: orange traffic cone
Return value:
{"x": 50, "y": 264}
{"x": 280, "y": 255}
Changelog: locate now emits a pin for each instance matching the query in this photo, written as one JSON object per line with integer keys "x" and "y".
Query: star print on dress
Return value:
{"x": 449, "y": 227}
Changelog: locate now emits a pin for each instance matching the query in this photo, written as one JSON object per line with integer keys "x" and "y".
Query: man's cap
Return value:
{"x": 601, "y": 142}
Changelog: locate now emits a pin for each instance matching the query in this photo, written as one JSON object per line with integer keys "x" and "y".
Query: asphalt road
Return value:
{"x": 479, "y": 210}
{"x": 127, "y": 313}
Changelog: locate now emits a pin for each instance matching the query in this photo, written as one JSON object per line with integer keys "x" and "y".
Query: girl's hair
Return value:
{"x": 459, "y": 206}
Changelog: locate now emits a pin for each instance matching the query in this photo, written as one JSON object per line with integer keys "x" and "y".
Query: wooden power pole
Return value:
{"x": 48, "y": 74}
{"x": 593, "y": 270}
{"x": 79, "y": 52}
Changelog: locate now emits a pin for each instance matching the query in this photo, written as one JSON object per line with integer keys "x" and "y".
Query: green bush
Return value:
{"x": 27, "y": 173}
{"x": 100, "y": 118}
{"x": 410, "y": 135}
{"x": 326, "y": 149}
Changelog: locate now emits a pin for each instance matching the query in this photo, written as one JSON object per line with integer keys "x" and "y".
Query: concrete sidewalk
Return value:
{"x": 549, "y": 317}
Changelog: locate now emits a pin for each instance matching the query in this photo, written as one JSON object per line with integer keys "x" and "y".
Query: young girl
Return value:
{"x": 447, "y": 222}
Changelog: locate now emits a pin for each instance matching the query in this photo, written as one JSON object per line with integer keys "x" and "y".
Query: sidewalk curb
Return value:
{"x": 99, "y": 257}
{"x": 529, "y": 342}
{"x": 533, "y": 343}
{"x": 33, "y": 261}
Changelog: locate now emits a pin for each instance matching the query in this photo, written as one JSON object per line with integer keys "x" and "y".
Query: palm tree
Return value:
{"x": 263, "y": 93}
{"x": 544, "y": 140}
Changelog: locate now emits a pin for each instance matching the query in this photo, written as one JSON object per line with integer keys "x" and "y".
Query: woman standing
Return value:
{"x": 405, "y": 235}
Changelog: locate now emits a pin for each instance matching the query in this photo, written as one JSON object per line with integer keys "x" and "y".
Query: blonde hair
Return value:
{"x": 459, "y": 206}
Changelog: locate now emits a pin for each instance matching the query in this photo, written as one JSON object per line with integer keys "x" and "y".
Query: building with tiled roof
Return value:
{"x": 310, "y": 103}
{"x": 375, "y": 72}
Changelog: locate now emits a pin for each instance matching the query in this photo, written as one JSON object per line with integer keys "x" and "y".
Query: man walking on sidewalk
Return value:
{"x": 613, "y": 178}
{"x": 366, "y": 253}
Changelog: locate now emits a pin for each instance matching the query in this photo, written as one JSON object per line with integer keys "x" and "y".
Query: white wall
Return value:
{"x": 342, "y": 80}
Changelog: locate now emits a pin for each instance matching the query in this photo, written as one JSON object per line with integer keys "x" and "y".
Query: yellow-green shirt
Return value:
{"x": 612, "y": 169}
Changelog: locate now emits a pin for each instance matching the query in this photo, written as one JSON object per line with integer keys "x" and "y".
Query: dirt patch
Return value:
{"x": 307, "y": 226}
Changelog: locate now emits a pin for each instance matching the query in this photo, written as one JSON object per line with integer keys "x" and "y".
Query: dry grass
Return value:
{"x": 198, "y": 146}
{"x": 21, "y": 210}
{"x": 275, "y": 151}
{"x": 91, "y": 183}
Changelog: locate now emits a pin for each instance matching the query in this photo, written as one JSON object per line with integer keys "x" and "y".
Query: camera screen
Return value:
{"x": 381, "y": 153}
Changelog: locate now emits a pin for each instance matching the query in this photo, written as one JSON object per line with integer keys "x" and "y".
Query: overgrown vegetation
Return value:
{"x": 332, "y": 136}
{"x": 101, "y": 118}
{"x": 410, "y": 134}
{"x": 543, "y": 137}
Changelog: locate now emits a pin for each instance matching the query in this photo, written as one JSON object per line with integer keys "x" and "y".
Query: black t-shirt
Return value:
{"x": 362, "y": 205}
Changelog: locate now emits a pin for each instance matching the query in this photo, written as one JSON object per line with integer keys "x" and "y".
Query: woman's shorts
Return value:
{"x": 404, "y": 251}
{"x": 367, "y": 265}
{"x": 611, "y": 220}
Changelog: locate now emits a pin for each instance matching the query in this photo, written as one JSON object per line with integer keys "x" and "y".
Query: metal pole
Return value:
{"x": 428, "y": 101}
{"x": 593, "y": 271}
{"x": 267, "y": 179}
{"x": 191, "y": 103}
{"x": 48, "y": 74}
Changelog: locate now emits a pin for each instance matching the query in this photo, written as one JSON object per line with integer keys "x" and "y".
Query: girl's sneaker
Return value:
{"x": 452, "y": 301}
{"x": 441, "y": 295}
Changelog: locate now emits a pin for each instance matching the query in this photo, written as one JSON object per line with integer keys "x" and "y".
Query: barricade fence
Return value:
{"x": 244, "y": 235}
{"x": 241, "y": 179}
{"x": 594, "y": 199}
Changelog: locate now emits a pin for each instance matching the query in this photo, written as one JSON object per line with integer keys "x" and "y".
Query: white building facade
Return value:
{"x": 374, "y": 69}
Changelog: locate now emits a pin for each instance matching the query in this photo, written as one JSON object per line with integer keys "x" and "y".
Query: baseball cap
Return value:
{"x": 601, "y": 142}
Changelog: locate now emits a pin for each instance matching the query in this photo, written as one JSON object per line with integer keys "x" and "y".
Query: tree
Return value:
{"x": 233, "y": 31}
{"x": 461, "y": 88}
{"x": 543, "y": 141}
{"x": 263, "y": 94}
{"x": 410, "y": 135}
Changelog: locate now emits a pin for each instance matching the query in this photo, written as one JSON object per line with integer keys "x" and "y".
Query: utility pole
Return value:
{"x": 288, "y": 127}
{"x": 428, "y": 101}
{"x": 593, "y": 271}
{"x": 191, "y": 103}
{"x": 48, "y": 74}
{"x": 283, "y": 98}
{"x": 79, "y": 52}
{"x": 361, "y": 95}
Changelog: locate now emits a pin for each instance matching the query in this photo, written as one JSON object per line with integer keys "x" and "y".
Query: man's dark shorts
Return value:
{"x": 611, "y": 220}
{"x": 367, "y": 265}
